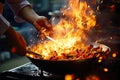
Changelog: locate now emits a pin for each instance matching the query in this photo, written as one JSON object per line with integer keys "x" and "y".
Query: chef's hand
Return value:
{"x": 16, "y": 42}
{"x": 43, "y": 27}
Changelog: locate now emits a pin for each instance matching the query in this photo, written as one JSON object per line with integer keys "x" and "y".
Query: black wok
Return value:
{"x": 67, "y": 66}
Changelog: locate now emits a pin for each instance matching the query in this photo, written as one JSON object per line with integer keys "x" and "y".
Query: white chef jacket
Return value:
{"x": 16, "y": 6}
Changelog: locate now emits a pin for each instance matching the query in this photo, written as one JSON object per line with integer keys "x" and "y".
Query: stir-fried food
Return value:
{"x": 78, "y": 54}
{"x": 90, "y": 52}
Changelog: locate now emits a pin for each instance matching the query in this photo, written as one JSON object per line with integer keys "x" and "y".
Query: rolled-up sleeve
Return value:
{"x": 17, "y": 5}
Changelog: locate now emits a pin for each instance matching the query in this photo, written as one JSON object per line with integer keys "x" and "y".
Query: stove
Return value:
{"x": 29, "y": 71}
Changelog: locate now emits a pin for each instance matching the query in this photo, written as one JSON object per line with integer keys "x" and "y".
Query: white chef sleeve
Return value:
{"x": 4, "y": 24}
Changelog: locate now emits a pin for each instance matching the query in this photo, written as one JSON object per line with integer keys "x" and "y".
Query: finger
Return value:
{"x": 44, "y": 22}
{"x": 48, "y": 24}
{"x": 37, "y": 26}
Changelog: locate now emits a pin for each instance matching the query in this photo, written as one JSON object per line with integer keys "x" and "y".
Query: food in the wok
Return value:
{"x": 90, "y": 52}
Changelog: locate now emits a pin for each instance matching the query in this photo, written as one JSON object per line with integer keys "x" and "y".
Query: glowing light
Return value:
{"x": 92, "y": 77}
{"x": 69, "y": 77}
{"x": 99, "y": 61}
{"x": 13, "y": 50}
{"x": 111, "y": 37}
{"x": 105, "y": 69}
{"x": 100, "y": 57}
{"x": 114, "y": 55}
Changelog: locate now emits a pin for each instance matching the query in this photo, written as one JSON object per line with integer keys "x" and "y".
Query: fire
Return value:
{"x": 70, "y": 32}
{"x": 69, "y": 77}
{"x": 74, "y": 77}
{"x": 114, "y": 55}
{"x": 105, "y": 69}
{"x": 92, "y": 77}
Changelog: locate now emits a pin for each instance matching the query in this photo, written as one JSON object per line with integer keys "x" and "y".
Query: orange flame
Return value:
{"x": 92, "y": 77}
{"x": 106, "y": 69}
{"x": 74, "y": 77}
{"x": 114, "y": 55}
{"x": 70, "y": 31}
{"x": 69, "y": 77}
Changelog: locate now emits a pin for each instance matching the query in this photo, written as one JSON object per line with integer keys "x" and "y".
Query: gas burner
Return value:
{"x": 29, "y": 71}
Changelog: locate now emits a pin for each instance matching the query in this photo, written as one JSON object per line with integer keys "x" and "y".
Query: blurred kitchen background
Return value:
{"x": 108, "y": 18}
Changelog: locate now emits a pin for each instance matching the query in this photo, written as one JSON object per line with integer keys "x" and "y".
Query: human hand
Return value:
{"x": 43, "y": 26}
{"x": 16, "y": 42}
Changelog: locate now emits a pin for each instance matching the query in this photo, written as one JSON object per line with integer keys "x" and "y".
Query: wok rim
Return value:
{"x": 67, "y": 60}
{"x": 63, "y": 60}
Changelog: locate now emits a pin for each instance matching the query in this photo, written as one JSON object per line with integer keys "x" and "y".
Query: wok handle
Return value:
{"x": 32, "y": 54}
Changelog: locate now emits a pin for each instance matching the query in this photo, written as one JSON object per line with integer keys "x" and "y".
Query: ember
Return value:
{"x": 92, "y": 77}
{"x": 70, "y": 35}
{"x": 73, "y": 77}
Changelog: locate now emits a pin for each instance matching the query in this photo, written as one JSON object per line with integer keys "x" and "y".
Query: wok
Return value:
{"x": 68, "y": 66}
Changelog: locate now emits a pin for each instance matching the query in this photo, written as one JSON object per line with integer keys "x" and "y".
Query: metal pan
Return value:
{"x": 68, "y": 66}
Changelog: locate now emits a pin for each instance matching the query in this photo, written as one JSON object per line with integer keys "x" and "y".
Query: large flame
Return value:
{"x": 70, "y": 31}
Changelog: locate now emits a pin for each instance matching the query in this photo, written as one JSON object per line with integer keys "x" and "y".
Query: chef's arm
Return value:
{"x": 41, "y": 23}
{"x": 28, "y": 14}
{"x": 24, "y": 10}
